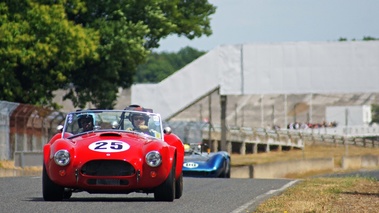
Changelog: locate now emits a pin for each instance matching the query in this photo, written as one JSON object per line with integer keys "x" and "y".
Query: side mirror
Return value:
{"x": 167, "y": 130}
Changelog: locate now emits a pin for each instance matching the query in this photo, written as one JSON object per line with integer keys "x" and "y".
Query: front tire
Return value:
{"x": 166, "y": 191}
{"x": 67, "y": 194}
{"x": 226, "y": 170}
{"x": 179, "y": 186}
{"x": 50, "y": 190}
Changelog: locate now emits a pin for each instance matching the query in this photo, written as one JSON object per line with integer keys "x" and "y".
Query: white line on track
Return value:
{"x": 244, "y": 207}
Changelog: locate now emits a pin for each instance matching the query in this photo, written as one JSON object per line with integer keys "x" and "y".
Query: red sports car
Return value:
{"x": 113, "y": 151}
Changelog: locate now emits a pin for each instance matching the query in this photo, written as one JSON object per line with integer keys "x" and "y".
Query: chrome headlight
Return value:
{"x": 62, "y": 157}
{"x": 153, "y": 159}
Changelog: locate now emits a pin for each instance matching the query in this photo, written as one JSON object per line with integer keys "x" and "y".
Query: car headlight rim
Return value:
{"x": 62, "y": 157}
{"x": 153, "y": 159}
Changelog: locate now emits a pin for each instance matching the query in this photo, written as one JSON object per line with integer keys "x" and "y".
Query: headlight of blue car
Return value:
{"x": 153, "y": 159}
{"x": 62, "y": 157}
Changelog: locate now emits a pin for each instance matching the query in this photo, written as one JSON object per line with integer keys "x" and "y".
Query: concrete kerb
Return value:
{"x": 282, "y": 169}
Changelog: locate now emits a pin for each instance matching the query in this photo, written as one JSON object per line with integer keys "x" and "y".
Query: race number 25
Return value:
{"x": 109, "y": 146}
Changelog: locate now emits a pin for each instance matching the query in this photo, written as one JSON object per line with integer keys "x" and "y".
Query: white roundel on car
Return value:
{"x": 190, "y": 165}
{"x": 109, "y": 146}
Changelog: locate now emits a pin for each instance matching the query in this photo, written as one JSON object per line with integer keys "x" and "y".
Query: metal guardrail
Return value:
{"x": 28, "y": 158}
{"x": 348, "y": 131}
{"x": 245, "y": 140}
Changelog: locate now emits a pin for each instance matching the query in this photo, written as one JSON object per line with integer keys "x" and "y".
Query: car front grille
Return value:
{"x": 108, "y": 182}
{"x": 107, "y": 168}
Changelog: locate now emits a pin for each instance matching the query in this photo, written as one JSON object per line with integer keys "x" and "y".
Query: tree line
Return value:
{"x": 161, "y": 65}
{"x": 90, "y": 48}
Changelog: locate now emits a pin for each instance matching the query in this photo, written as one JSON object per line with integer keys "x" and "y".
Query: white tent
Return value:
{"x": 271, "y": 68}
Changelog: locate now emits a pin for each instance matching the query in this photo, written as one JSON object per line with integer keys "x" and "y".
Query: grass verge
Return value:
{"x": 349, "y": 194}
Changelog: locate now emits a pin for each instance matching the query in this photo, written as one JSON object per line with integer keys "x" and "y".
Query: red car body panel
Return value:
{"x": 96, "y": 168}
{"x": 134, "y": 155}
{"x": 175, "y": 141}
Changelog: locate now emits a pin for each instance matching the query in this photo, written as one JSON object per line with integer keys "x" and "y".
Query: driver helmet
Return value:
{"x": 132, "y": 115}
{"x": 84, "y": 120}
{"x": 187, "y": 147}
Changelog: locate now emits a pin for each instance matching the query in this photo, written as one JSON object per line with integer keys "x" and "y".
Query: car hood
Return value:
{"x": 113, "y": 144}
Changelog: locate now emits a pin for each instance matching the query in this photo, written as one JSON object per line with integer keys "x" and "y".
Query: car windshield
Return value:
{"x": 192, "y": 149}
{"x": 84, "y": 121}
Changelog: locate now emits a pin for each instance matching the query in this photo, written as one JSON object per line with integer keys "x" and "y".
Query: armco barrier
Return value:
{"x": 282, "y": 169}
{"x": 19, "y": 172}
{"x": 25, "y": 159}
{"x": 356, "y": 162}
{"x": 242, "y": 171}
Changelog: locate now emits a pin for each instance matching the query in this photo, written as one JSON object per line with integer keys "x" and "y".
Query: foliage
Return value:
{"x": 369, "y": 38}
{"x": 129, "y": 29}
{"x": 38, "y": 49}
{"x": 365, "y": 38}
{"x": 89, "y": 47}
{"x": 161, "y": 65}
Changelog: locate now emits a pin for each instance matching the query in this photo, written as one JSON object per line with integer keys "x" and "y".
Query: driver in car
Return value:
{"x": 140, "y": 123}
{"x": 85, "y": 122}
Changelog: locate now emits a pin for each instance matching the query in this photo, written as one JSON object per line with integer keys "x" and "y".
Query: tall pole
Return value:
{"x": 243, "y": 116}
{"x": 262, "y": 112}
{"x": 235, "y": 115}
{"x": 285, "y": 110}
{"x": 311, "y": 108}
{"x": 223, "y": 102}
{"x": 210, "y": 145}
{"x": 273, "y": 115}
{"x": 346, "y": 125}
{"x": 201, "y": 113}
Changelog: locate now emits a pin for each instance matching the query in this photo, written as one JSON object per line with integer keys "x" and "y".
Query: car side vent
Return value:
{"x": 110, "y": 134}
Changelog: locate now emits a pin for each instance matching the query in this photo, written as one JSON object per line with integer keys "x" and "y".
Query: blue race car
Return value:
{"x": 205, "y": 164}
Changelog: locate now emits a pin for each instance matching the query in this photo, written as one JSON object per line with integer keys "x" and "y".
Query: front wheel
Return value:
{"x": 51, "y": 191}
{"x": 179, "y": 186}
{"x": 226, "y": 170}
{"x": 67, "y": 194}
{"x": 166, "y": 191}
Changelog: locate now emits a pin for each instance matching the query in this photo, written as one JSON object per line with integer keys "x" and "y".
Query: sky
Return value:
{"x": 272, "y": 21}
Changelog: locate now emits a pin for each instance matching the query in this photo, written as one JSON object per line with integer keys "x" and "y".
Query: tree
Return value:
{"x": 38, "y": 49}
{"x": 89, "y": 47}
{"x": 369, "y": 38}
{"x": 161, "y": 65}
{"x": 129, "y": 30}
{"x": 365, "y": 38}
